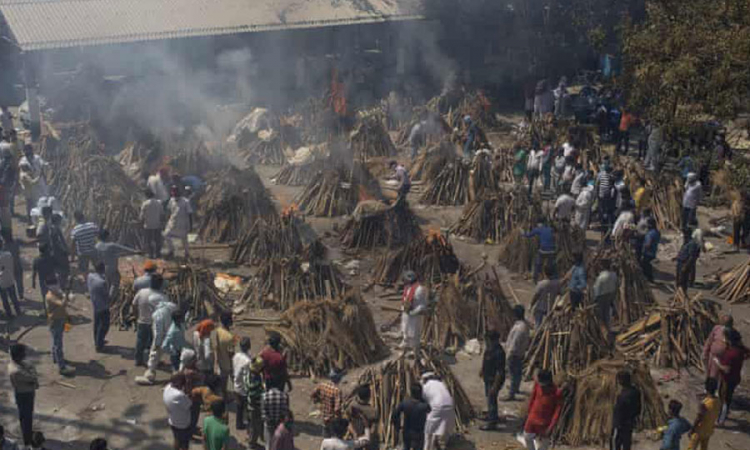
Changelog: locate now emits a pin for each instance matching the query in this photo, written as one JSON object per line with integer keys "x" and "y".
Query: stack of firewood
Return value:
{"x": 370, "y": 138}
{"x": 734, "y": 285}
{"x": 428, "y": 165}
{"x": 430, "y": 256}
{"x": 323, "y": 334}
{"x": 672, "y": 336}
{"x": 460, "y": 182}
{"x": 336, "y": 191}
{"x": 491, "y": 218}
{"x": 519, "y": 252}
{"x": 271, "y": 238}
{"x": 281, "y": 283}
{"x": 374, "y": 224}
{"x": 391, "y": 381}
{"x": 233, "y": 200}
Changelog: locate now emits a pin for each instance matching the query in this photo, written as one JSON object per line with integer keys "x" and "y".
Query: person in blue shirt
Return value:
{"x": 474, "y": 136}
{"x": 676, "y": 427}
{"x": 546, "y": 255}
{"x": 650, "y": 247}
{"x": 577, "y": 283}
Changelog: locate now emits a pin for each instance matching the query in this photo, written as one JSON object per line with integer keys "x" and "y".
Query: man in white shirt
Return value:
{"x": 152, "y": 213}
{"x": 8, "y": 282}
{"x": 144, "y": 309}
{"x": 37, "y": 165}
{"x": 583, "y": 207}
{"x": 534, "y": 167}
{"x": 442, "y": 416}
{"x": 625, "y": 221}
{"x": 157, "y": 183}
{"x": 241, "y": 366}
{"x": 564, "y": 206}
{"x": 178, "y": 406}
{"x": 605, "y": 293}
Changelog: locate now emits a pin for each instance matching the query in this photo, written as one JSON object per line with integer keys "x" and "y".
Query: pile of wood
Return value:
{"x": 77, "y": 143}
{"x": 281, "y": 283}
{"x": 374, "y": 224}
{"x": 672, "y": 336}
{"x": 120, "y": 308}
{"x": 323, "y": 334}
{"x": 734, "y": 286}
{"x": 502, "y": 166}
{"x": 192, "y": 288}
{"x": 518, "y": 252}
{"x": 300, "y": 174}
{"x": 495, "y": 311}
{"x": 568, "y": 341}
{"x": 391, "y": 381}
{"x": 460, "y": 182}
{"x": 428, "y": 164}
{"x": 634, "y": 295}
{"x": 453, "y": 320}
{"x": 233, "y": 200}
{"x": 268, "y": 149}
{"x": 586, "y": 415}
{"x": 666, "y": 191}
{"x": 490, "y": 218}
{"x": 271, "y": 238}
{"x": 430, "y": 256}
{"x": 193, "y": 157}
{"x": 105, "y": 194}
{"x": 370, "y": 138}
{"x": 336, "y": 192}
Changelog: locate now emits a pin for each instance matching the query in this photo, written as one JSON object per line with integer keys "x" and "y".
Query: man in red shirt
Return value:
{"x": 274, "y": 362}
{"x": 623, "y": 140}
{"x": 730, "y": 367}
{"x": 544, "y": 411}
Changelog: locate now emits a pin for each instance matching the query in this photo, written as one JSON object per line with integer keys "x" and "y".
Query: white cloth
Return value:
{"x": 568, "y": 150}
{"x": 564, "y": 206}
{"x": 437, "y": 395}
{"x": 241, "y": 366}
{"x": 204, "y": 354}
{"x": 37, "y": 165}
{"x": 156, "y": 185}
{"x": 151, "y": 212}
{"x": 179, "y": 217}
{"x": 606, "y": 283}
{"x": 692, "y": 196}
{"x": 578, "y": 181}
{"x": 440, "y": 422}
{"x": 7, "y": 274}
{"x": 625, "y": 219}
{"x": 583, "y": 207}
{"x": 178, "y": 407}
{"x": 535, "y": 442}
{"x": 335, "y": 443}
{"x": 534, "y": 162}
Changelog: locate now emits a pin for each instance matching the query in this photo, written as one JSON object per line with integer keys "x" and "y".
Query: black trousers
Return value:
{"x": 25, "y": 404}
{"x": 101, "y": 328}
{"x": 622, "y": 439}
{"x": 241, "y": 408}
{"x": 412, "y": 441}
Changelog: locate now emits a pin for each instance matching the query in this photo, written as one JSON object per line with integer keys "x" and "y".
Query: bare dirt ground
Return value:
{"x": 102, "y": 398}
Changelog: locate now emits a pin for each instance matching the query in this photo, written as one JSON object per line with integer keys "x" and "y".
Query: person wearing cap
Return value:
{"x": 204, "y": 351}
{"x": 690, "y": 200}
{"x": 401, "y": 175}
{"x": 253, "y": 388}
{"x": 180, "y": 222}
{"x": 413, "y": 306}
{"x": 157, "y": 183}
{"x": 152, "y": 214}
{"x": 442, "y": 416}
{"x": 543, "y": 412}
{"x": 274, "y": 362}
{"x": 144, "y": 281}
{"x": 328, "y": 395}
{"x": 109, "y": 253}
{"x": 493, "y": 375}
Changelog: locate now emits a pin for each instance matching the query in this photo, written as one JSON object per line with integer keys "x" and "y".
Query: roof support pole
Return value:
{"x": 32, "y": 94}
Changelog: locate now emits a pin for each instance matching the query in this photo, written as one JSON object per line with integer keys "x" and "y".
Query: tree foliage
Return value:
{"x": 689, "y": 60}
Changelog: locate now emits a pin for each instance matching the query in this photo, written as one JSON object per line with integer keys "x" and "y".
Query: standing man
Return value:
{"x": 25, "y": 382}
{"x": 605, "y": 190}
{"x": 534, "y": 167}
{"x": 144, "y": 281}
{"x": 180, "y": 222}
{"x": 516, "y": 345}
{"x": 152, "y": 214}
{"x": 626, "y": 412}
{"x": 37, "y": 165}
{"x": 99, "y": 294}
{"x": 241, "y": 373}
{"x": 690, "y": 200}
{"x": 328, "y": 395}
{"x": 474, "y": 137}
{"x": 158, "y": 182}
{"x": 623, "y": 140}
{"x": 578, "y": 281}
{"x": 178, "y": 406}
{"x": 109, "y": 253}
{"x": 493, "y": 375}
{"x": 546, "y": 254}
{"x": 274, "y": 408}
{"x": 415, "y": 412}
{"x": 544, "y": 411}
{"x": 716, "y": 345}
{"x": 687, "y": 258}
{"x": 654, "y": 142}
{"x": 215, "y": 429}
{"x": 224, "y": 349}
{"x": 8, "y": 282}
{"x": 274, "y": 362}
{"x": 401, "y": 175}
{"x": 11, "y": 245}
{"x": 605, "y": 293}
{"x": 519, "y": 164}
{"x": 43, "y": 268}
{"x": 650, "y": 248}
{"x": 584, "y": 201}
{"x": 84, "y": 237}
{"x": 162, "y": 320}
{"x": 564, "y": 206}
{"x": 413, "y": 305}
{"x": 705, "y": 421}
{"x": 60, "y": 250}
{"x": 730, "y": 366}
{"x": 442, "y": 417}
{"x": 144, "y": 303}
{"x": 57, "y": 316}
{"x": 545, "y": 293}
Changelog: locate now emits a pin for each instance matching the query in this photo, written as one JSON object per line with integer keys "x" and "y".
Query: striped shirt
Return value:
{"x": 84, "y": 236}
{"x": 604, "y": 180}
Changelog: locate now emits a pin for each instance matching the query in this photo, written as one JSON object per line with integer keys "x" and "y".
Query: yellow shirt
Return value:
{"x": 224, "y": 348}
{"x": 713, "y": 408}
{"x": 642, "y": 198}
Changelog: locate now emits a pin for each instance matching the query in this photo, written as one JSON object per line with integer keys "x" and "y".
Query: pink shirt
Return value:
{"x": 713, "y": 347}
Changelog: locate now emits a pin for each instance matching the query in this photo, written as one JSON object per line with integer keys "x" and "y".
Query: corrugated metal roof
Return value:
{"x": 46, "y": 24}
